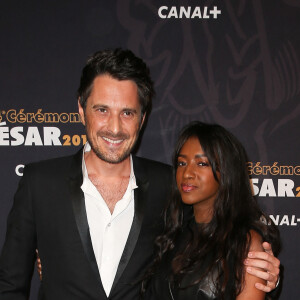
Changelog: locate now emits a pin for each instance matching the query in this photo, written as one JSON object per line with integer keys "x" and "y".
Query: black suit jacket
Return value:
{"x": 49, "y": 214}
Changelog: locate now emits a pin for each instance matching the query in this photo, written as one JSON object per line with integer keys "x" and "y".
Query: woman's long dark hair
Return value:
{"x": 224, "y": 242}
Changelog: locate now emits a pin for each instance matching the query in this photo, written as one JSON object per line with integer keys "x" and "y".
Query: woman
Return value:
{"x": 201, "y": 255}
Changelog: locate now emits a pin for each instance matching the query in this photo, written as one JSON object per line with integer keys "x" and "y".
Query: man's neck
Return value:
{"x": 111, "y": 180}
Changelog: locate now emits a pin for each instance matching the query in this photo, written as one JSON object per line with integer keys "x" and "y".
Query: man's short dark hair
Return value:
{"x": 120, "y": 64}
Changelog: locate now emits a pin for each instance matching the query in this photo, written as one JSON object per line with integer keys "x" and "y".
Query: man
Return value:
{"x": 94, "y": 216}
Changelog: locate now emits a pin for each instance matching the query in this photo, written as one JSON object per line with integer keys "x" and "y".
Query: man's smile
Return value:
{"x": 112, "y": 141}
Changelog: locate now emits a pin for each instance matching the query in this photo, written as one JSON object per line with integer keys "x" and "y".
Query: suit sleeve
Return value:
{"x": 18, "y": 253}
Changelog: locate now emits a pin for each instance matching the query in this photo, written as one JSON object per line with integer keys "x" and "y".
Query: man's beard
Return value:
{"x": 107, "y": 157}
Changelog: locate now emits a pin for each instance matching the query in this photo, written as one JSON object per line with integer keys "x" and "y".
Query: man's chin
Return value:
{"x": 117, "y": 159}
{"x": 111, "y": 156}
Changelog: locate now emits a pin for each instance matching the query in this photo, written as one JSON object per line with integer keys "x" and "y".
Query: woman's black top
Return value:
{"x": 163, "y": 287}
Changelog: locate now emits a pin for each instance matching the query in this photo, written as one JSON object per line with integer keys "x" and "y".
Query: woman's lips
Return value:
{"x": 188, "y": 187}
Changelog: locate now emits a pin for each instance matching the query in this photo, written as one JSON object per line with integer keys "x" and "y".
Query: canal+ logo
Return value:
{"x": 182, "y": 12}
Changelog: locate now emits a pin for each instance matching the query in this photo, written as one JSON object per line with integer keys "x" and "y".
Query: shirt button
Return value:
{"x": 109, "y": 224}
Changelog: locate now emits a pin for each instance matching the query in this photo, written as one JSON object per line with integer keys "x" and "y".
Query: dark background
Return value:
{"x": 241, "y": 70}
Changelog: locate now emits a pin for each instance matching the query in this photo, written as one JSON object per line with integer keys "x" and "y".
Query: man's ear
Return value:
{"x": 81, "y": 113}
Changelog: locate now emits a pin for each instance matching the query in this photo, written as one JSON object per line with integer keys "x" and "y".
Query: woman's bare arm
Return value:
{"x": 249, "y": 291}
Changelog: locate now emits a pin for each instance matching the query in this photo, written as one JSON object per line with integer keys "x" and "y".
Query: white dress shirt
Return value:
{"x": 109, "y": 232}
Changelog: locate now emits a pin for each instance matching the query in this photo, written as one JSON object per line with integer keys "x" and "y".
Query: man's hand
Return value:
{"x": 264, "y": 265}
{"x": 38, "y": 264}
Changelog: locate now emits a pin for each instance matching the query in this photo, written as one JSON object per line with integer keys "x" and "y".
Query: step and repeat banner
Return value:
{"x": 236, "y": 63}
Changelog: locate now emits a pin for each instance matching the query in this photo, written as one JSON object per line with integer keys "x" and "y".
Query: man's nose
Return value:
{"x": 114, "y": 124}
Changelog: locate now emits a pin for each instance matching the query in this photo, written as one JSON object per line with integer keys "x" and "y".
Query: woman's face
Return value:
{"x": 195, "y": 180}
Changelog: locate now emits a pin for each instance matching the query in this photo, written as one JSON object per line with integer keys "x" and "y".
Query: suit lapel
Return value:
{"x": 140, "y": 196}
{"x": 77, "y": 198}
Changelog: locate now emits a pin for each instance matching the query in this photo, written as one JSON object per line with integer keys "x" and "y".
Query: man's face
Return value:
{"x": 112, "y": 118}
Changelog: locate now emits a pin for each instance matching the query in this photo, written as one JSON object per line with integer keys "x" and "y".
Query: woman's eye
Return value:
{"x": 202, "y": 164}
{"x": 180, "y": 163}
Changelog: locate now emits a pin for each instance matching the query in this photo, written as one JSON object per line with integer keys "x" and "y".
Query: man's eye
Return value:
{"x": 128, "y": 113}
{"x": 180, "y": 163}
{"x": 102, "y": 110}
